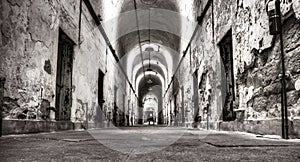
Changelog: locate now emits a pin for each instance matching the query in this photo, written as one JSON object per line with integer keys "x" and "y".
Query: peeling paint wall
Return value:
{"x": 24, "y": 52}
{"x": 256, "y": 61}
{"x": 29, "y": 47}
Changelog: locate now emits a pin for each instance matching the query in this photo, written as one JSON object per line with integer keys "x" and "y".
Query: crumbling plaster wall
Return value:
{"x": 256, "y": 57}
{"x": 113, "y": 78}
{"x": 206, "y": 59}
{"x": 110, "y": 12}
{"x": 28, "y": 41}
{"x": 185, "y": 103}
{"x": 258, "y": 65}
{"x": 29, "y": 46}
{"x": 201, "y": 55}
{"x": 89, "y": 58}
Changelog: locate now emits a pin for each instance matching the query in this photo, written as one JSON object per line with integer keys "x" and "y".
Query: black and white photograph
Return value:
{"x": 149, "y": 80}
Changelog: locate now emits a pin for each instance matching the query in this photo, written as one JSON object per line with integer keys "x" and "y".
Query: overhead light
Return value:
{"x": 149, "y": 49}
{"x": 149, "y": 81}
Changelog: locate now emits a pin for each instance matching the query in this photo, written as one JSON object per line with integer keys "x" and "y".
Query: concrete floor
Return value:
{"x": 147, "y": 144}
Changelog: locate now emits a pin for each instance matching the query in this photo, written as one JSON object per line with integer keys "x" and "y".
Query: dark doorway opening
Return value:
{"x": 122, "y": 112}
{"x": 183, "y": 109}
{"x": 196, "y": 96}
{"x": 116, "y": 108}
{"x": 175, "y": 110}
{"x": 226, "y": 51}
{"x": 100, "y": 113}
{"x": 64, "y": 77}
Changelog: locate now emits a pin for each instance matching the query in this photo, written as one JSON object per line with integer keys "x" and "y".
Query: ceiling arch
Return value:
{"x": 143, "y": 86}
{"x": 156, "y": 56}
{"x": 163, "y": 38}
{"x": 149, "y": 75}
{"x": 154, "y": 22}
{"x": 161, "y": 70}
{"x": 164, "y": 58}
{"x": 145, "y": 4}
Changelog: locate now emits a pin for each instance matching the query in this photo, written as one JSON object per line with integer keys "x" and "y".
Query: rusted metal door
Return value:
{"x": 64, "y": 77}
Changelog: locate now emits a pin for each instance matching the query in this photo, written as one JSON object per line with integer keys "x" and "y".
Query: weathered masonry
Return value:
{"x": 82, "y": 64}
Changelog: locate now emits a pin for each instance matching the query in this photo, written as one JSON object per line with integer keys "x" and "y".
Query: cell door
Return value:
{"x": 196, "y": 96}
{"x": 64, "y": 77}
{"x": 100, "y": 111}
{"x": 226, "y": 51}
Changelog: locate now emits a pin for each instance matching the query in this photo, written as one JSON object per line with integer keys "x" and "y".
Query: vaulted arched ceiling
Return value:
{"x": 163, "y": 30}
{"x": 132, "y": 24}
{"x": 144, "y": 85}
{"x": 146, "y": 4}
{"x": 127, "y": 42}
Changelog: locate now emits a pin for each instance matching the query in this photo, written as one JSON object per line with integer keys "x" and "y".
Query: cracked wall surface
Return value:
{"x": 24, "y": 53}
{"x": 256, "y": 60}
{"x": 29, "y": 47}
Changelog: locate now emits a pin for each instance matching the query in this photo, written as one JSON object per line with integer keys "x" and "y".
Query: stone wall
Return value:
{"x": 29, "y": 47}
{"x": 261, "y": 82}
{"x": 201, "y": 58}
{"x": 29, "y": 32}
{"x": 256, "y": 58}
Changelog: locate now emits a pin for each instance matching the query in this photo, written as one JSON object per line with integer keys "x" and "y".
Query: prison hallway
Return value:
{"x": 149, "y": 80}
